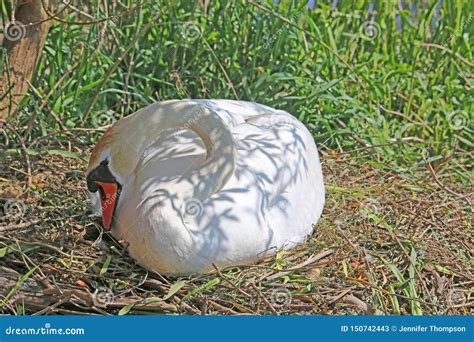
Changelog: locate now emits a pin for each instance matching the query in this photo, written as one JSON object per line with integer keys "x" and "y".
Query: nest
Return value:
{"x": 386, "y": 244}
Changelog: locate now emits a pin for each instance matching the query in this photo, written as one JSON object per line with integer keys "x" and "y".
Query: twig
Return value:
{"x": 43, "y": 102}
{"x": 318, "y": 40}
{"x": 51, "y": 307}
{"x": 223, "y": 308}
{"x": 229, "y": 82}
{"x": 444, "y": 48}
{"x": 399, "y": 114}
{"x": 92, "y": 22}
{"x": 340, "y": 295}
{"x": 19, "y": 226}
{"x": 444, "y": 187}
{"x": 357, "y": 302}
{"x": 50, "y": 16}
{"x": 230, "y": 283}
{"x": 25, "y": 153}
{"x": 119, "y": 60}
{"x": 264, "y": 299}
{"x": 307, "y": 262}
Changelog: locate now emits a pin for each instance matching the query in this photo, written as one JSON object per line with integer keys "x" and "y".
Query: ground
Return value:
{"x": 387, "y": 243}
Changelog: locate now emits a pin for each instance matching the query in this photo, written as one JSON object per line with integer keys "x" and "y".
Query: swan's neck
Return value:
{"x": 148, "y": 123}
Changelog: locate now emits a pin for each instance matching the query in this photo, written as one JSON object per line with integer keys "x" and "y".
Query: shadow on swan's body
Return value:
{"x": 209, "y": 182}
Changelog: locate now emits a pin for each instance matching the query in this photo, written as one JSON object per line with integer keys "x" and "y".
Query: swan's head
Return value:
{"x": 115, "y": 157}
{"x": 111, "y": 161}
{"x": 117, "y": 154}
{"x": 104, "y": 191}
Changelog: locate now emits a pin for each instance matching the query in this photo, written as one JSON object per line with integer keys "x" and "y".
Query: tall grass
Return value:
{"x": 383, "y": 80}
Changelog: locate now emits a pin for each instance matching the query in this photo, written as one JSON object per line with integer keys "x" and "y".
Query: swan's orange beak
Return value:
{"x": 108, "y": 199}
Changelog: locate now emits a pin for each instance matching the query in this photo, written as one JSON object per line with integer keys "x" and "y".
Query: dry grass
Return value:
{"x": 386, "y": 244}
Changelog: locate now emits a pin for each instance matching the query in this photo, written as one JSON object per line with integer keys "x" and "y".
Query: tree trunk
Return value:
{"x": 22, "y": 44}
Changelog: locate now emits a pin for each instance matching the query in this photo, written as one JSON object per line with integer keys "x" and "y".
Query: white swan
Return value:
{"x": 192, "y": 183}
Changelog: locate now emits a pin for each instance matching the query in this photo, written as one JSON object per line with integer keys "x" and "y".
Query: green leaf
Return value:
{"x": 126, "y": 309}
{"x": 17, "y": 286}
{"x": 90, "y": 85}
{"x": 106, "y": 264}
{"x": 4, "y": 251}
{"x": 66, "y": 154}
{"x": 173, "y": 289}
{"x": 211, "y": 283}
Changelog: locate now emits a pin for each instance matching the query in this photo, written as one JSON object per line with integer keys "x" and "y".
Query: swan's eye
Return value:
{"x": 100, "y": 174}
